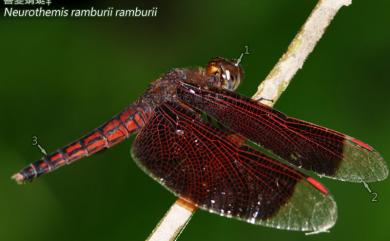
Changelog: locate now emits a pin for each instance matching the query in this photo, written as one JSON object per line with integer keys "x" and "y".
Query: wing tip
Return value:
{"x": 323, "y": 213}
{"x": 314, "y": 215}
{"x": 331, "y": 216}
{"x": 380, "y": 171}
{"x": 361, "y": 163}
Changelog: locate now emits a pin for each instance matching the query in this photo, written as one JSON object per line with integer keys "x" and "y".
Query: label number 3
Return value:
{"x": 34, "y": 140}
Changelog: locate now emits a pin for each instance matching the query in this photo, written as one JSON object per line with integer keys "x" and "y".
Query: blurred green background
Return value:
{"x": 60, "y": 78}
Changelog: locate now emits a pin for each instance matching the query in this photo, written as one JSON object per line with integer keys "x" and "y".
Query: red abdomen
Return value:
{"x": 110, "y": 133}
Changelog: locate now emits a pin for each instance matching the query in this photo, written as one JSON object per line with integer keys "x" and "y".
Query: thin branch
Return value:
{"x": 302, "y": 45}
{"x": 268, "y": 92}
{"x": 173, "y": 222}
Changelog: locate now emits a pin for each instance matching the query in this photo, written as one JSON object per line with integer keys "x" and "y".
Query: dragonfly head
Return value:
{"x": 226, "y": 74}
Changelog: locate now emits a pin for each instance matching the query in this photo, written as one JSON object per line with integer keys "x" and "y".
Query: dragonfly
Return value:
{"x": 195, "y": 136}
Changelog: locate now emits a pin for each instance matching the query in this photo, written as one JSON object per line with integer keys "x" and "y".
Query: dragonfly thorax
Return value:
{"x": 219, "y": 73}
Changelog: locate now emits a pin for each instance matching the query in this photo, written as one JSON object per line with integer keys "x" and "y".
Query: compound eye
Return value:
{"x": 213, "y": 70}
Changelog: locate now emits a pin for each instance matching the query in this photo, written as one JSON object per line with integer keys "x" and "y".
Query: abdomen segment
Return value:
{"x": 110, "y": 133}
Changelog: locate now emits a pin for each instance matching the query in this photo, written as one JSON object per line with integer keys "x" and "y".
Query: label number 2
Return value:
{"x": 374, "y": 197}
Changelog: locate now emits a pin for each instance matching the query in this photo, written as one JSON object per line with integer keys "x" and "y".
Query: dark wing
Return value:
{"x": 204, "y": 166}
{"x": 303, "y": 144}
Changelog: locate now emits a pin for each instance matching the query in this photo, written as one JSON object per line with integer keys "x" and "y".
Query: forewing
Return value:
{"x": 204, "y": 166}
{"x": 303, "y": 144}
